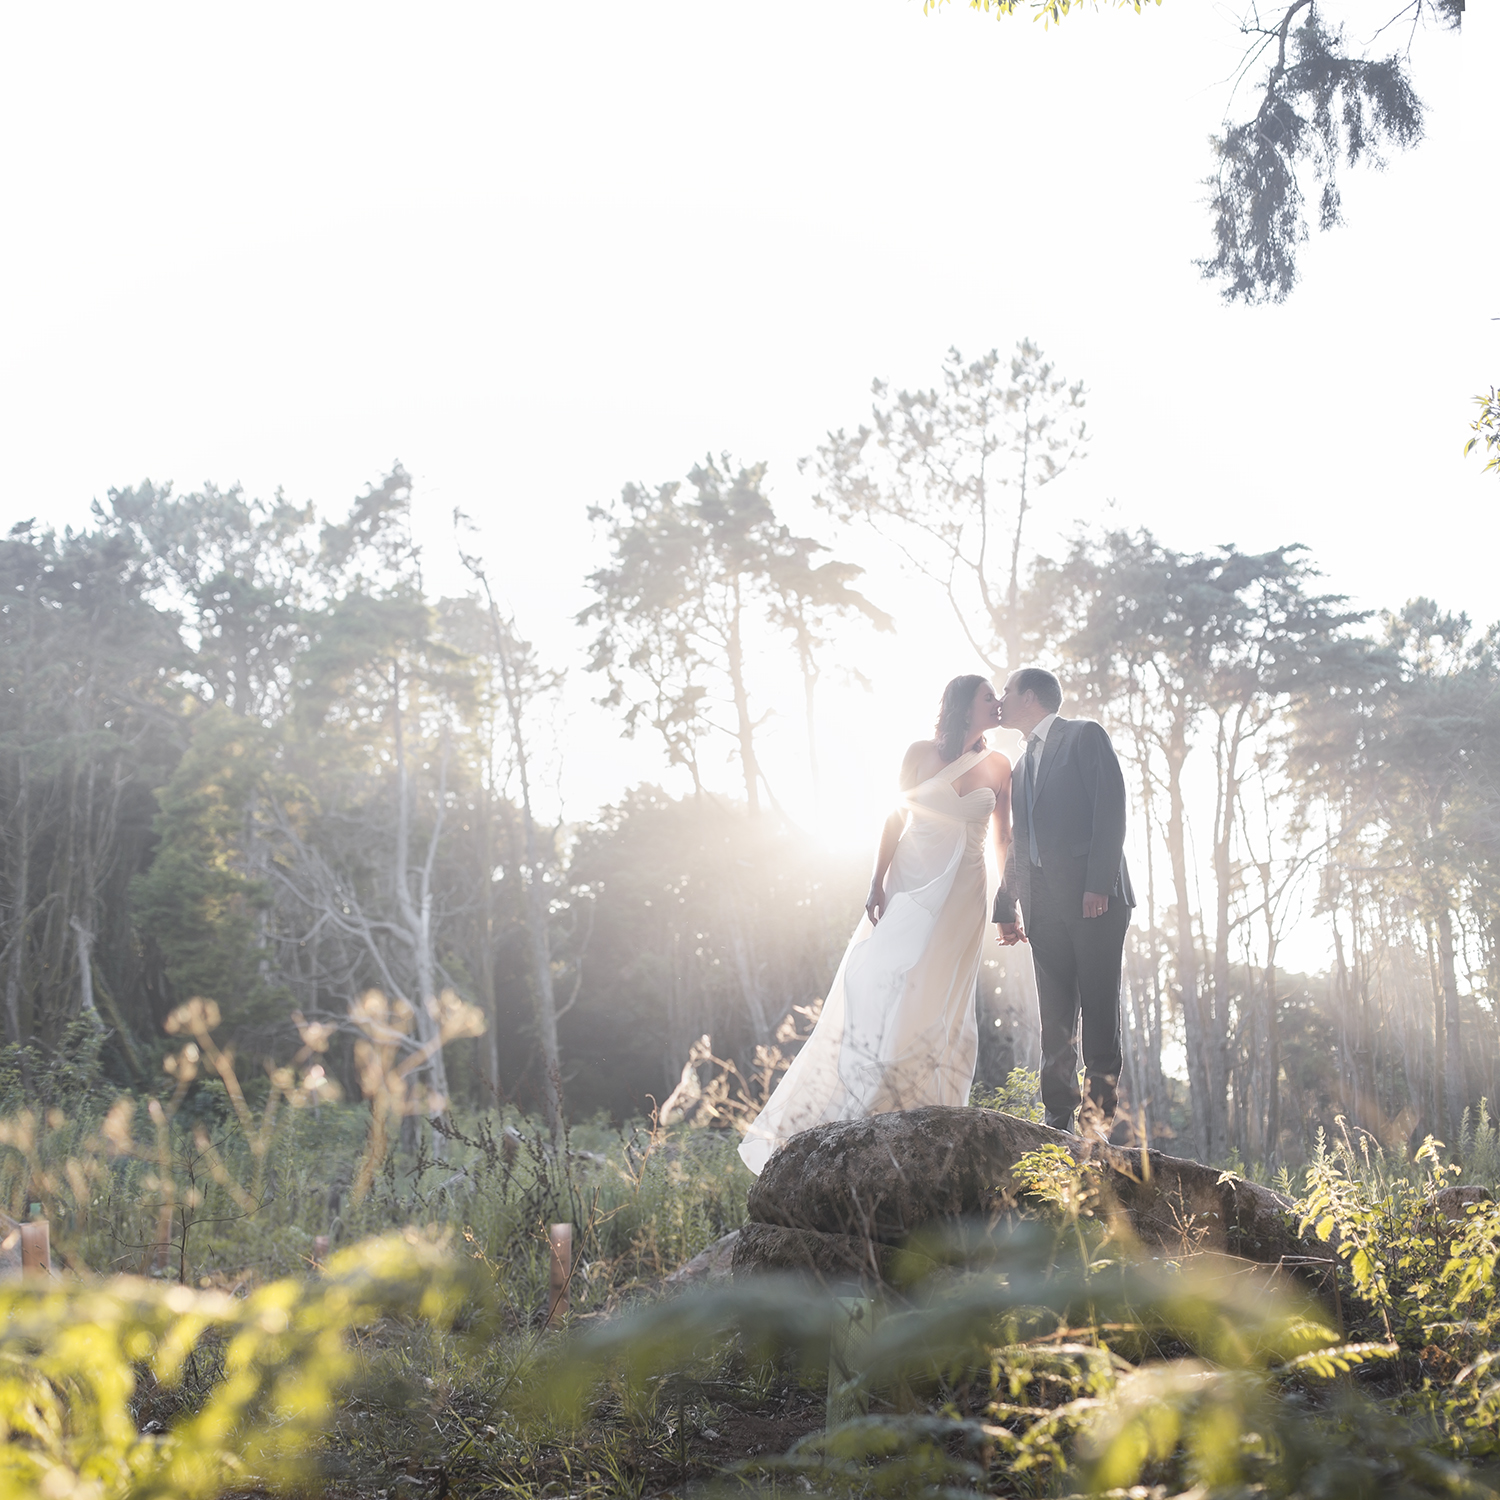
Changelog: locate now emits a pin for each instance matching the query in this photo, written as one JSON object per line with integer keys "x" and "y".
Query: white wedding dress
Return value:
{"x": 898, "y": 1029}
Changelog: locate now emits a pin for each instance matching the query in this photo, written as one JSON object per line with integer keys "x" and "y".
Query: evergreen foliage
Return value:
{"x": 199, "y": 903}
{"x": 1320, "y": 107}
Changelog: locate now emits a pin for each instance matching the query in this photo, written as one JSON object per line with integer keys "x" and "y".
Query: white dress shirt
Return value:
{"x": 1036, "y": 742}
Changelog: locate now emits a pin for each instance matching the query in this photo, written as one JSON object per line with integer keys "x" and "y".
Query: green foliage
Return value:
{"x": 199, "y": 901}
{"x": 653, "y": 871}
{"x": 69, "y": 1076}
{"x": 208, "y": 1191}
{"x": 676, "y": 608}
{"x": 1046, "y": 11}
{"x": 72, "y": 1355}
{"x": 1016, "y": 1368}
{"x": 1383, "y": 1226}
{"x": 1019, "y": 1095}
{"x": 1425, "y": 1276}
{"x": 927, "y": 473}
{"x": 1064, "y": 1187}
{"x": 1319, "y": 105}
{"x": 237, "y": 570}
{"x": 1479, "y": 1146}
{"x": 1487, "y": 429}
{"x": 90, "y": 697}
{"x": 1044, "y": 1357}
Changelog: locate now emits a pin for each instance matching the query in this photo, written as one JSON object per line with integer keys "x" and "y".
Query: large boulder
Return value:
{"x": 830, "y": 1258}
{"x": 841, "y": 1196}
{"x": 707, "y": 1268}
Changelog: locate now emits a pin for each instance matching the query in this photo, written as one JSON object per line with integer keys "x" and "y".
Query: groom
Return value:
{"x": 1066, "y": 872}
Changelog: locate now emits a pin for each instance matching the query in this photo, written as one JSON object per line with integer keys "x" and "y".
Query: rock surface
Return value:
{"x": 1453, "y": 1202}
{"x": 829, "y": 1257}
{"x": 850, "y": 1191}
{"x": 706, "y": 1267}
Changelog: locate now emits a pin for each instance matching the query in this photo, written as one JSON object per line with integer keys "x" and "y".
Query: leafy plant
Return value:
{"x": 1024, "y": 1368}
{"x": 1019, "y": 1095}
{"x": 72, "y": 1355}
{"x": 1486, "y": 428}
{"x": 1382, "y": 1225}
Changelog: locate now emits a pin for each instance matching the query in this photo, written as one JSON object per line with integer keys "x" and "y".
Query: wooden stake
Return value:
{"x": 561, "y": 1238}
{"x": 36, "y": 1248}
{"x": 320, "y": 1249}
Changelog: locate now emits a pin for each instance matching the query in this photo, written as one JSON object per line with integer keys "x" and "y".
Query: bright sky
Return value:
{"x": 535, "y": 251}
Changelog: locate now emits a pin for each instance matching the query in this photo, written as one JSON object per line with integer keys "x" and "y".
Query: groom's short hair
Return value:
{"x": 1047, "y": 688}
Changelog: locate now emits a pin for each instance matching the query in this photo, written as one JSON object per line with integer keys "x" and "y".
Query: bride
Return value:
{"x": 897, "y": 1030}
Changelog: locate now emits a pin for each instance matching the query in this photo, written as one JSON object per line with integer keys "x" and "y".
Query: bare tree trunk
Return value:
{"x": 1136, "y": 1037}
{"x": 416, "y": 913}
{"x": 1271, "y": 1146}
{"x": 81, "y": 912}
{"x": 1341, "y": 999}
{"x": 21, "y": 894}
{"x": 1438, "y": 1098}
{"x": 85, "y": 948}
{"x": 1200, "y": 1074}
{"x": 489, "y": 1044}
{"x": 537, "y": 919}
{"x": 1271, "y": 1141}
{"x": 745, "y": 728}
{"x": 1411, "y": 1034}
{"x": 1453, "y": 1059}
{"x": 1013, "y": 642}
{"x": 1151, "y": 996}
{"x": 809, "y": 696}
{"x": 538, "y": 916}
{"x": 1218, "y": 1039}
{"x": 750, "y": 986}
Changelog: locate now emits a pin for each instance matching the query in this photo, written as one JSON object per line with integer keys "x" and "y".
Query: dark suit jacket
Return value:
{"x": 1080, "y": 822}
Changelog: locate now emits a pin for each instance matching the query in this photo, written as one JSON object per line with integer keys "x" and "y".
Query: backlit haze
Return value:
{"x": 537, "y": 251}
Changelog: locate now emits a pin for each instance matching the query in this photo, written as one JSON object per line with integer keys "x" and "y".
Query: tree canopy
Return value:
{"x": 1322, "y": 103}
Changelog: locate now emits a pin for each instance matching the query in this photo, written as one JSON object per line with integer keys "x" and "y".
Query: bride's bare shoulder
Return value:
{"x": 996, "y": 768}
{"x": 923, "y": 759}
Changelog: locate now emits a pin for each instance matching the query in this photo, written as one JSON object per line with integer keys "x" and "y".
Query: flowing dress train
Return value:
{"x": 898, "y": 1028}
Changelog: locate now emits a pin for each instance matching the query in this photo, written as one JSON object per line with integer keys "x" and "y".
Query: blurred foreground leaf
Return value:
{"x": 69, "y": 1354}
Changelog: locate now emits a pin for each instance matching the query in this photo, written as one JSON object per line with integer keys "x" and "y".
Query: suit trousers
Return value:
{"x": 1077, "y": 962}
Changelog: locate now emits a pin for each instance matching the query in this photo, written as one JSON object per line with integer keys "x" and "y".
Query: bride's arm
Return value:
{"x": 890, "y": 836}
{"x": 1009, "y": 928}
{"x": 1000, "y": 823}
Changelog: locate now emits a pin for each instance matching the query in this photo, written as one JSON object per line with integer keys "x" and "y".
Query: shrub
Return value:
{"x": 72, "y": 1355}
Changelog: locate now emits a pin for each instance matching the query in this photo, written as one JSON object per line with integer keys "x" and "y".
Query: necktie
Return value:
{"x": 1031, "y": 758}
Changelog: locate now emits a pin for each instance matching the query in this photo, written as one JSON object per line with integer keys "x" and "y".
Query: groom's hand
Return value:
{"x": 1009, "y": 934}
{"x": 1094, "y": 905}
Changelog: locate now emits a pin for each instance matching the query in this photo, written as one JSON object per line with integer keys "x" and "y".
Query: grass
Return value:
{"x": 424, "y": 1406}
{"x": 642, "y": 1201}
{"x": 1050, "y": 1363}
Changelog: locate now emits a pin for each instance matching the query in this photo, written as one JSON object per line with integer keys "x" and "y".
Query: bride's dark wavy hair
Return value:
{"x": 953, "y": 715}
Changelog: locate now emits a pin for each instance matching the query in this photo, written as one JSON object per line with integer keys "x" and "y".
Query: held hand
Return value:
{"x": 875, "y": 904}
{"x": 1094, "y": 905}
{"x": 1009, "y": 934}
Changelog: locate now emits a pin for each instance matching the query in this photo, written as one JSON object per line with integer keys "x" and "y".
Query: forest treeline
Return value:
{"x": 247, "y": 755}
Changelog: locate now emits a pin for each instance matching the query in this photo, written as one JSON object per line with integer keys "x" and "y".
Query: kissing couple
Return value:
{"x": 898, "y": 1029}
